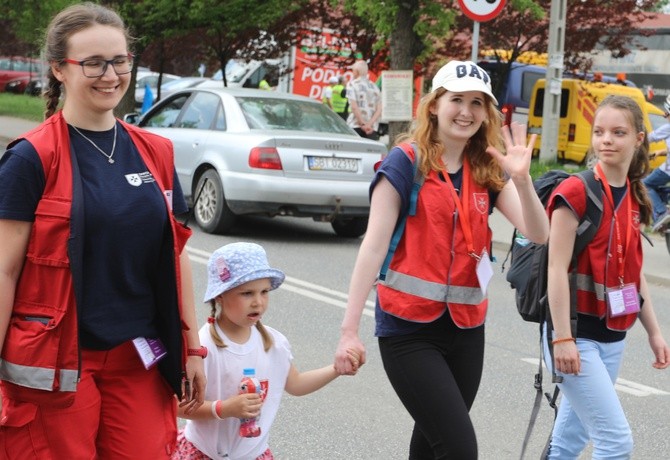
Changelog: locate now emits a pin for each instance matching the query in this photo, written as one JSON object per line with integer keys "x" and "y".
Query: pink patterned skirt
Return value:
{"x": 185, "y": 450}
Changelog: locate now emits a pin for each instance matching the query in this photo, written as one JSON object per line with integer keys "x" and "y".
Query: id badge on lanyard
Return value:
{"x": 623, "y": 300}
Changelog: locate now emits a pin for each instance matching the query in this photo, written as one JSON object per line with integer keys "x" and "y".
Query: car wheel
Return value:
{"x": 352, "y": 227}
{"x": 211, "y": 211}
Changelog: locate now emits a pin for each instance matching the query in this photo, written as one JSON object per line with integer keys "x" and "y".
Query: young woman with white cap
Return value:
{"x": 431, "y": 306}
{"x": 239, "y": 280}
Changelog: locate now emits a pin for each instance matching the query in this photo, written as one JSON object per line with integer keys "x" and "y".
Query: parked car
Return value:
{"x": 16, "y": 72}
{"x": 145, "y": 77}
{"x": 242, "y": 151}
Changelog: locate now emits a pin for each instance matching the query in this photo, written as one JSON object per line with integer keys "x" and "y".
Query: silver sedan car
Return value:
{"x": 246, "y": 151}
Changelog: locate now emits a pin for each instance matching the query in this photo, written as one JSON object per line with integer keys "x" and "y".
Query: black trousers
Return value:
{"x": 374, "y": 135}
{"x": 436, "y": 374}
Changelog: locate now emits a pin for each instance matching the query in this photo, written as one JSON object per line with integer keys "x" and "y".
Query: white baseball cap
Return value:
{"x": 333, "y": 80}
{"x": 462, "y": 76}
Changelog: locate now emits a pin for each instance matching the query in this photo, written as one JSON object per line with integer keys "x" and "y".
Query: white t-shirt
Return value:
{"x": 367, "y": 96}
{"x": 224, "y": 369}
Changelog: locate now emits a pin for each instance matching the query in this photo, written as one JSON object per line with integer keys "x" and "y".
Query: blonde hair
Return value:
{"x": 639, "y": 165}
{"x": 65, "y": 24}
{"x": 485, "y": 169}
{"x": 216, "y": 338}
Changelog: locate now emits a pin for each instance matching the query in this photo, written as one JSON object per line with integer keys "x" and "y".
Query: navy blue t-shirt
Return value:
{"x": 398, "y": 170}
{"x": 126, "y": 228}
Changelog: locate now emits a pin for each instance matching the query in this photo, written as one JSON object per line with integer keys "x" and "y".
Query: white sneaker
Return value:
{"x": 662, "y": 221}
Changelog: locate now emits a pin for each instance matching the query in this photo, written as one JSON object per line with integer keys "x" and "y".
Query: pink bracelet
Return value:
{"x": 216, "y": 409}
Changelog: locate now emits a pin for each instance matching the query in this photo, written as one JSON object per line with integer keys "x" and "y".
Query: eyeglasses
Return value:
{"x": 94, "y": 68}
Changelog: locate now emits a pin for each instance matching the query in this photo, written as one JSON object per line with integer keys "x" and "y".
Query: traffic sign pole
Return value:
{"x": 552, "y": 88}
{"x": 475, "y": 41}
{"x": 480, "y": 11}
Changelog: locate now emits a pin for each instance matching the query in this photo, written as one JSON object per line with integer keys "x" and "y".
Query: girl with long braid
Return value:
{"x": 97, "y": 322}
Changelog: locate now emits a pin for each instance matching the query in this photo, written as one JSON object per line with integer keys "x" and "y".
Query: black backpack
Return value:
{"x": 528, "y": 269}
{"x": 528, "y": 276}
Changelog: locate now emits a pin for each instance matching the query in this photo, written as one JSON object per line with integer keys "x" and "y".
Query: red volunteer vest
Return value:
{"x": 431, "y": 268}
{"x": 596, "y": 271}
{"x": 40, "y": 358}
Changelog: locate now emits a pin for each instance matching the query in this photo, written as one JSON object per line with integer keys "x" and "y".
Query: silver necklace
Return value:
{"x": 109, "y": 157}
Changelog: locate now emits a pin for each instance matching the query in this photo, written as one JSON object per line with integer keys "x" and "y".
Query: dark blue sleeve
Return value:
{"x": 179, "y": 205}
{"x": 21, "y": 182}
{"x": 397, "y": 168}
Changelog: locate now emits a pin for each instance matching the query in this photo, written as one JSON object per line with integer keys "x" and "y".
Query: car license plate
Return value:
{"x": 332, "y": 164}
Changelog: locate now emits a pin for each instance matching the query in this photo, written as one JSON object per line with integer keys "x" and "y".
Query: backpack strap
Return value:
{"x": 417, "y": 182}
{"x": 586, "y": 230}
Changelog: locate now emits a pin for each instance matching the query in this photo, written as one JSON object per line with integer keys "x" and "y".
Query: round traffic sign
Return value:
{"x": 481, "y": 10}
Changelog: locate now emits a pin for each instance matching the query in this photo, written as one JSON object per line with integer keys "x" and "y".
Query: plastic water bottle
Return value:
{"x": 520, "y": 239}
{"x": 249, "y": 384}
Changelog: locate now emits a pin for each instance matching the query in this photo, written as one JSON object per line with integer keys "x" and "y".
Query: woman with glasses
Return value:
{"x": 97, "y": 321}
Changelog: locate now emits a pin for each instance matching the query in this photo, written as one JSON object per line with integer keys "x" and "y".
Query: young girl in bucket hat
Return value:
{"x": 239, "y": 281}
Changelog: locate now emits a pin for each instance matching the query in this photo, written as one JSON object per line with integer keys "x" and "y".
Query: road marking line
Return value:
{"x": 202, "y": 257}
{"x": 622, "y": 385}
{"x": 321, "y": 298}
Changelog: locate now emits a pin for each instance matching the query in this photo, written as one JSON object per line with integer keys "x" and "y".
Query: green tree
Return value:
{"x": 156, "y": 22}
{"x": 524, "y": 26}
{"x": 248, "y": 29}
{"x": 410, "y": 29}
{"x": 28, "y": 19}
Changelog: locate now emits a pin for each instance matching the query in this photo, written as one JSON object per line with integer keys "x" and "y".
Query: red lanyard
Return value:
{"x": 463, "y": 205}
{"x": 620, "y": 249}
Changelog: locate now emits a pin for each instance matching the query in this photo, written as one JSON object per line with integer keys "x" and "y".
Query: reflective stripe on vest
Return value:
{"x": 586, "y": 283}
{"x": 39, "y": 378}
{"x": 438, "y": 292}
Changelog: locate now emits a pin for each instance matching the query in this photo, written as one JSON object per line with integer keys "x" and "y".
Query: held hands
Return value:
{"x": 193, "y": 385}
{"x": 349, "y": 356}
{"x": 516, "y": 161}
{"x": 367, "y": 128}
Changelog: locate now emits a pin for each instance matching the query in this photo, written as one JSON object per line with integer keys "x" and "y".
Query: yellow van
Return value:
{"x": 579, "y": 99}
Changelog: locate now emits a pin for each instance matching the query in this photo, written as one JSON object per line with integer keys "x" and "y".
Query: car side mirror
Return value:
{"x": 132, "y": 118}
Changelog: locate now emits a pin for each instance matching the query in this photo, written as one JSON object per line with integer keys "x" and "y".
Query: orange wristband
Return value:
{"x": 566, "y": 339}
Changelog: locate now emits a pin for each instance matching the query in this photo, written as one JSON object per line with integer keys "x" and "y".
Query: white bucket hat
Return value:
{"x": 462, "y": 76}
{"x": 238, "y": 263}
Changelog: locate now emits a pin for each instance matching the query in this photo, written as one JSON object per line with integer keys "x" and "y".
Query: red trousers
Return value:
{"x": 121, "y": 411}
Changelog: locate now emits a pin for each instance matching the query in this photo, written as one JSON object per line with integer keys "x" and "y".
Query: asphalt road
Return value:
{"x": 360, "y": 417}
